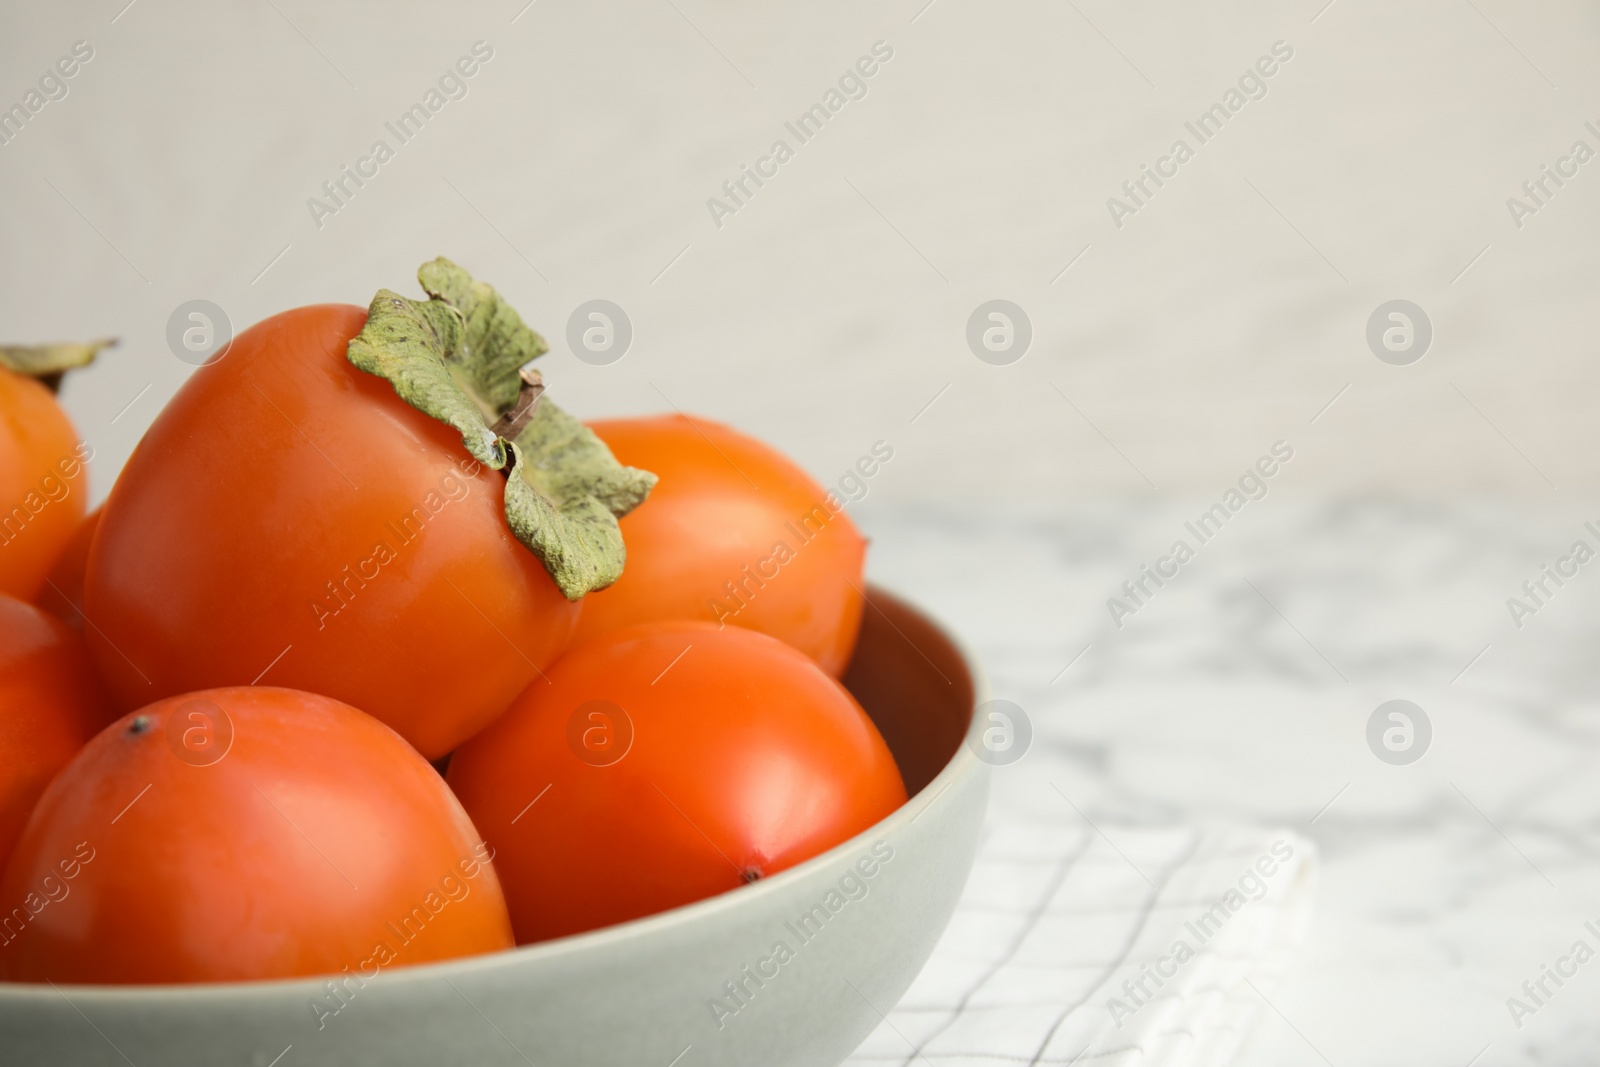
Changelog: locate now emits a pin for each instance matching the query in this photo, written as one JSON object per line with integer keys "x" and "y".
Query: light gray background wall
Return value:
{"x": 830, "y": 310}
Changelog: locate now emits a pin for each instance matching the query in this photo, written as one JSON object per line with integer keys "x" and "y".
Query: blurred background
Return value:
{"x": 832, "y": 307}
{"x": 1156, "y": 341}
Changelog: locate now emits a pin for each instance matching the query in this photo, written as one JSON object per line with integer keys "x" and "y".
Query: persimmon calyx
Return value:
{"x": 48, "y": 362}
{"x": 461, "y": 357}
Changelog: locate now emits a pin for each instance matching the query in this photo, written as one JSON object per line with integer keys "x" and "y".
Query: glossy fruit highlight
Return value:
{"x": 666, "y": 763}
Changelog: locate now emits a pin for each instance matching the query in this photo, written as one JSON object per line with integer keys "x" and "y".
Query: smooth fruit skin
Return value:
{"x": 43, "y": 483}
{"x": 318, "y": 841}
{"x": 62, "y": 595}
{"x": 705, "y": 544}
{"x": 744, "y": 759}
{"x": 50, "y": 706}
{"x": 288, "y": 519}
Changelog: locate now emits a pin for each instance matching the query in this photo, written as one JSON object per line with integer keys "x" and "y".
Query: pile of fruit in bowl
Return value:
{"x": 374, "y": 658}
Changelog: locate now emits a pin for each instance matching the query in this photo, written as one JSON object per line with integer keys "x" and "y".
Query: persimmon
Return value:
{"x": 664, "y": 763}
{"x": 43, "y": 481}
{"x": 62, "y": 595}
{"x": 734, "y": 533}
{"x": 245, "y": 833}
{"x": 373, "y": 505}
{"x": 50, "y": 706}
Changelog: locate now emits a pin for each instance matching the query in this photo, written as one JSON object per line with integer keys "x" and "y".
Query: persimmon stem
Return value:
{"x": 513, "y": 421}
{"x": 47, "y": 363}
{"x": 462, "y": 357}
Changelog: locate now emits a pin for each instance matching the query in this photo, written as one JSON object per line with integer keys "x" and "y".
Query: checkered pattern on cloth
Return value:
{"x": 1058, "y": 915}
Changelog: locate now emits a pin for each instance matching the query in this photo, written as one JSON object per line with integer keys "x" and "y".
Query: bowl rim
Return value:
{"x": 963, "y": 763}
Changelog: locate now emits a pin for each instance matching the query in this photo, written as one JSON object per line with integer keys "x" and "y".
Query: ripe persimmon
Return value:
{"x": 50, "y": 706}
{"x": 43, "y": 482}
{"x": 664, "y": 763}
{"x": 734, "y": 533}
{"x": 414, "y": 546}
{"x": 245, "y": 833}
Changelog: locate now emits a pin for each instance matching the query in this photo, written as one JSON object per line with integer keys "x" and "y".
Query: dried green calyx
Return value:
{"x": 461, "y": 357}
{"x": 48, "y": 362}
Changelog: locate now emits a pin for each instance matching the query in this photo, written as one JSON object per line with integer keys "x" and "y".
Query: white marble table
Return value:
{"x": 1242, "y": 692}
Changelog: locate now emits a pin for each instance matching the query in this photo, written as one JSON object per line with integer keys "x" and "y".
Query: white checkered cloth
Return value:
{"x": 1058, "y": 915}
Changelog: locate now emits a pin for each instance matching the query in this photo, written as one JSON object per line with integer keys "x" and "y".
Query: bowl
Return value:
{"x": 792, "y": 971}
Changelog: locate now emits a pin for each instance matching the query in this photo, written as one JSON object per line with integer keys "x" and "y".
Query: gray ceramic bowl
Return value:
{"x": 703, "y": 984}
